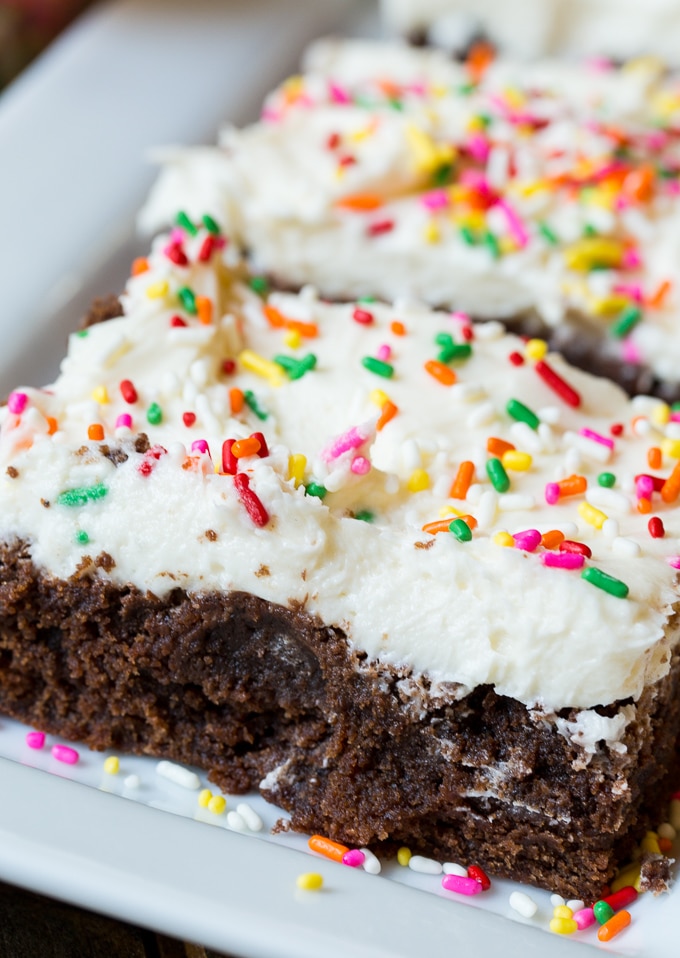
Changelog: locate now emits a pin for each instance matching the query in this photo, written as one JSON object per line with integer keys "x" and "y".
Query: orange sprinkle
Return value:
{"x": 139, "y": 266}
{"x": 328, "y": 848}
{"x": 644, "y": 506}
{"x": 441, "y": 372}
{"x": 52, "y": 425}
{"x": 573, "y": 486}
{"x": 246, "y": 447}
{"x": 236, "y": 400}
{"x": 360, "y": 202}
{"x": 278, "y": 321}
{"x": 654, "y": 457}
{"x": 398, "y": 328}
{"x": 657, "y": 300}
{"x": 639, "y": 184}
{"x": 670, "y": 490}
{"x": 463, "y": 480}
{"x": 552, "y": 539}
{"x": 441, "y": 525}
{"x": 479, "y": 59}
{"x": 205, "y": 309}
{"x": 389, "y": 411}
{"x": 470, "y": 520}
{"x": 665, "y": 845}
{"x": 275, "y": 318}
{"x": 496, "y": 447}
{"x": 95, "y": 431}
{"x": 616, "y": 923}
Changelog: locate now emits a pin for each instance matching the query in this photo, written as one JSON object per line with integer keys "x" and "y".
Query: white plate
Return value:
{"x": 73, "y": 131}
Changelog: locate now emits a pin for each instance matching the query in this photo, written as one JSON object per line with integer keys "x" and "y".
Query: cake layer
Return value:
{"x": 543, "y": 194}
{"x": 347, "y": 491}
{"x": 371, "y": 755}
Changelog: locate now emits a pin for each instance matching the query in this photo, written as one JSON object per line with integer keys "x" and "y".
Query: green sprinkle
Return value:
{"x": 484, "y": 119}
{"x": 82, "y": 333}
{"x": 188, "y": 300}
{"x": 296, "y": 368}
{"x": 468, "y": 236}
{"x": 396, "y": 104}
{"x": 495, "y": 470}
{"x": 316, "y": 489}
{"x": 442, "y": 174}
{"x": 603, "y": 911}
{"x": 454, "y": 352}
{"x": 82, "y": 538}
{"x": 378, "y": 367}
{"x": 606, "y": 479}
{"x": 666, "y": 174}
{"x": 466, "y": 89}
{"x": 154, "y": 414}
{"x": 675, "y": 407}
{"x": 259, "y": 285}
{"x": 629, "y": 318}
{"x": 589, "y": 230}
{"x": 522, "y": 413}
{"x": 444, "y": 339}
{"x": 366, "y": 299}
{"x": 365, "y": 515}
{"x": 548, "y": 234}
{"x": 252, "y": 404}
{"x": 605, "y": 582}
{"x": 183, "y": 220}
{"x": 82, "y": 495}
{"x": 461, "y": 530}
{"x": 491, "y": 243}
{"x": 210, "y": 224}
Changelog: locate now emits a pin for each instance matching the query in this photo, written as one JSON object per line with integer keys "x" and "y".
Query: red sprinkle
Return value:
{"x": 333, "y": 141}
{"x": 250, "y": 500}
{"x": 229, "y": 460}
{"x": 176, "y": 255}
{"x": 382, "y": 226}
{"x": 468, "y": 334}
{"x": 128, "y": 391}
{"x": 656, "y": 529}
{"x": 621, "y": 898}
{"x": 208, "y": 247}
{"x": 616, "y": 429}
{"x": 578, "y": 548}
{"x": 557, "y": 384}
{"x": 188, "y": 418}
{"x": 264, "y": 449}
{"x": 362, "y": 316}
{"x": 177, "y": 321}
{"x": 517, "y": 359}
{"x": 657, "y": 481}
{"x": 347, "y": 160}
{"x": 228, "y": 366}
{"x": 479, "y": 875}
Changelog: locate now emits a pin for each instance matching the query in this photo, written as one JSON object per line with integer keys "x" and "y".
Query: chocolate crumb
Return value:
{"x": 84, "y": 568}
{"x": 211, "y": 535}
{"x": 116, "y": 455}
{"x": 12, "y": 472}
{"x": 263, "y": 572}
{"x": 45, "y": 502}
{"x": 142, "y": 443}
{"x": 303, "y": 575}
{"x": 655, "y": 873}
{"x": 102, "y": 308}
{"x": 105, "y": 561}
{"x": 424, "y": 545}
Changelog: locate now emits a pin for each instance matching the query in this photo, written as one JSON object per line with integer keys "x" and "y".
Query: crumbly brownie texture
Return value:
{"x": 257, "y": 693}
{"x": 101, "y": 309}
{"x": 542, "y": 195}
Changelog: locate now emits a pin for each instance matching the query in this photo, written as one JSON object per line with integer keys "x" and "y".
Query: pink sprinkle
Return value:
{"x": 584, "y": 918}
{"x": 644, "y": 487}
{"x": 360, "y": 466}
{"x": 354, "y": 858}
{"x": 461, "y": 318}
{"x": 351, "y": 439}
{"x": 552, "y": 493}
{"x": 478, "y": 147}
{"x": 515, "y": 224}
{"x": 597, "y": 437}
{"x": 17, "y": 403}
{"x": 35, "y": 739}
{"x": 464, "y": 886}
{"x": 633, "y": 290}
{"x": 675, "y": 417}
{"x": 528, "y": 540}
{"x": 200, "y": 445}
{"x": 384, "y": 352}
{"x": 177, "y": 236}
{"x": 338, "y": 94}
{"x": 563, "y": 560}
{"x": 124, "y": 420}
{"x": 65, "y": 754}
{"x": 271, "y": 115}
{"x": 673, "y": 561}
{"x": 672, "y": 187}
{"x": 435, "y": 200}
{"x": 631, "y": 259}
{"x": 631, "y": 353}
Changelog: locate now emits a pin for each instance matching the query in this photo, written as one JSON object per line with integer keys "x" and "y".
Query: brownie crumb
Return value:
{"x": 45, "y": 503}
{"x": 12, "y": 472}
{"x": 102, "y": 308}
{"x": 211, "y": 535}
{"x": 142, "y": 443}
{"x": 424, "y": 545}
{"x": 116, "y": 455}
{"x": 263, "y": 572}
{"x": 655, "y": 873}
{"x": 84, "y": 568}
{"x": 303, "y": 575}
{"x": 105, "y": 561}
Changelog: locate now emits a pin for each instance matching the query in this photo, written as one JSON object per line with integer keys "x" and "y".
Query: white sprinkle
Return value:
{"x": 198, "y": 370}
{"x": 482, "y": 415}
{"x": 645, "y": 405}
{"x": 178, "y": 774}
{"x": 467, "y": 392}
{"x": 556, "y": 901}
{"x": 453, "y": 868}
{"x": 425, "y": 866}
{"x": 626, "y": 547}
{"x": 608, "y": 499}
{"x": 572, "y": 462}
{"x": 487, "y": 332}
{"x": 576, "y": 904}
{"x": 667, "y": 831}
{"x": 551, "y": 415}
{"x": 510, "y": 501}
{"x": 673, "y": 430}
{"x": 474, "y": 493}
{"x": 371, "y": 862}
{"x": 486, "y": 509}
{"x": 641, "y": 427}
{"x": 527, "y": 438}
{"x": 132, "y": 781}
{"x": 590, "y": 448}
{"x": 547, "y": 437}
{"x": 410, "y": 455}
{"x": 523, "y": 905}
{"x": 236, "y": 822}
{"x": 610, "y": 528}
{"x": 250, "y": 817}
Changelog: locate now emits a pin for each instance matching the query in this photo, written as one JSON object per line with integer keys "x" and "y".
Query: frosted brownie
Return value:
{"x": 413, "y": 578}
{"x": 544, "y": 195}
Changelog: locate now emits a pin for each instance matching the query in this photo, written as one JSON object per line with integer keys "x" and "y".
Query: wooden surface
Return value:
{"x": 32, "y": 926}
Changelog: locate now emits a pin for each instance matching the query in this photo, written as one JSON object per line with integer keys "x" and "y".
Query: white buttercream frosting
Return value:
{"x": 550, "y": 187}
{"x": 466, "y": 612}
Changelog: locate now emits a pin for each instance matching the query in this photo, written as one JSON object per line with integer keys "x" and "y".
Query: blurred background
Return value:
{"x": 27, "y": 26}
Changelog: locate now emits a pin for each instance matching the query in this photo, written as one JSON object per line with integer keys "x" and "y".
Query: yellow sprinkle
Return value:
{"x": 364, "y": 132}
{"x": 650, "y": 843}
{"x": 563, "y": 926}
{"x": 627, "y": 876}
{"x": 296, "y": 467}
{"x": 608, "y": 305}
{"x": 100, "y": 395}
{"x": 563, "y": 911}
{"x": 217, "y": 804}
{"x": 514, "y": 97}
{"x": 404, "y": 856}
{"x": 418, "y": 480}
{"x": 507, "y": 244}
{"x": 592, "y": 515}
{"x": 112, "y": 765}
{"x": 661, "y": 414}
{"x": 594, "y": 251}
{"x": 516, "y": 460}
{"x": 257, "y": 364}
{"x": 449, "y": 511}
{"x": 204, "y": 797}
{"x": 504, "y": 539}
{"x": 379, "y": 398}
{"x": 671, "y": 448}
{"x": 432, "y": 233}
{"x": 474, "y": 219}
{"x": 157, "y": 290}
{"x": 292, "y": 339}
{"x": 528, "y": 189}
{"x": 535, "y": 349}
{"x": 310, "y": 881}
{"x": 428, "y": 156}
